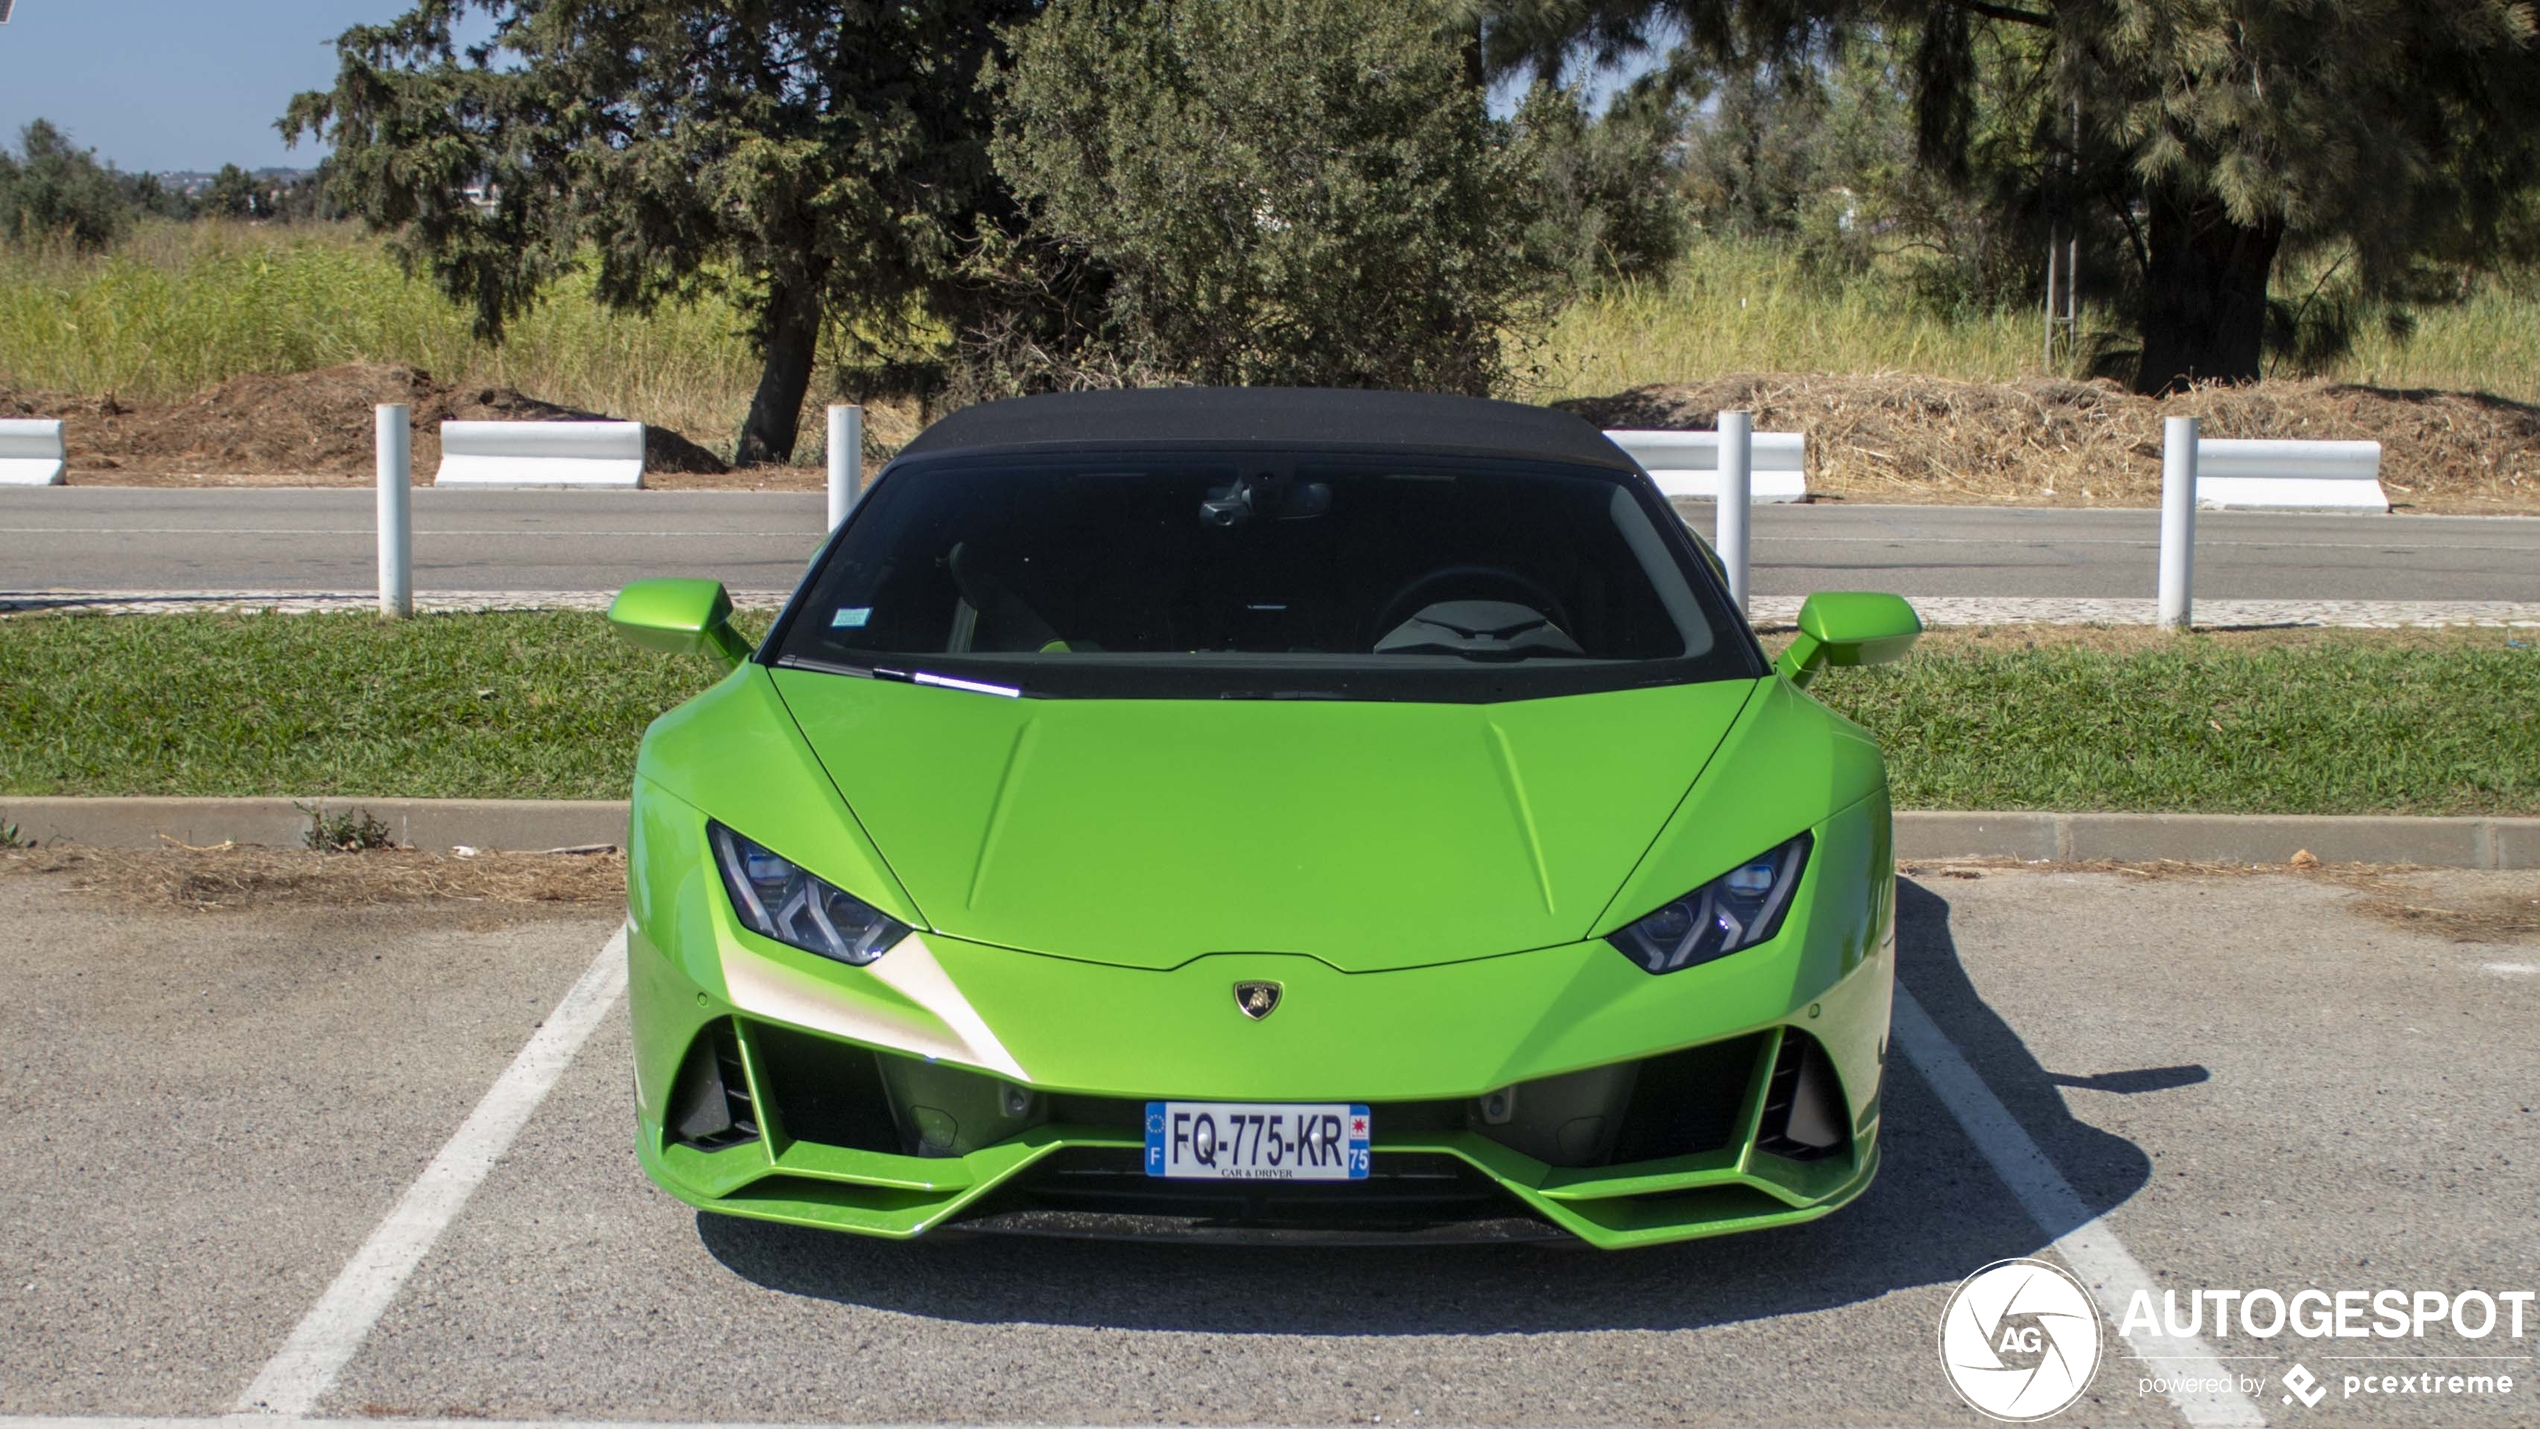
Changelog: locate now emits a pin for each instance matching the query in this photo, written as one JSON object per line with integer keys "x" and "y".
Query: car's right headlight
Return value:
{"x": 1735, "y": 911}
{"x": 777, "y": 899}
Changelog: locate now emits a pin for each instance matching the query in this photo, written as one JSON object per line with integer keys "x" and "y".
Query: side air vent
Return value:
{"x": 1803, "y": 1105}
{"x": 710, "y": 1106}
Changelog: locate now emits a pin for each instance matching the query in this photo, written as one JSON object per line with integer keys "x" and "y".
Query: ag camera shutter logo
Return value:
{"x": 2020, "y": 1340}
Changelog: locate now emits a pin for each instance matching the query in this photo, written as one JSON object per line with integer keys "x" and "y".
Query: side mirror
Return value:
{"x": 683, "y": 617}
{"x": 1849, "y": 628}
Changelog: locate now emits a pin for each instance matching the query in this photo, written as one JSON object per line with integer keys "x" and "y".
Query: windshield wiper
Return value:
{"x": 947, "y": 682}
{"x": 976, "y": 687}
{"x": 905, "y": 677}
{"x": 826, "y": 667}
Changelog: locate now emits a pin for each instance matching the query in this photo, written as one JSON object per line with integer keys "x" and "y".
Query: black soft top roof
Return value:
{"x": 1270, "y": 416}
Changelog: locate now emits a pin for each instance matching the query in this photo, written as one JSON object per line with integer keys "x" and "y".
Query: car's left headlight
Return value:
{"x": 776, "y": 899}
{"x": 1737, "y": 910}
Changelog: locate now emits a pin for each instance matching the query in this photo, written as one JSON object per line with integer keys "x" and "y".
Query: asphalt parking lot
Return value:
{"x": 2242, "y": 1082}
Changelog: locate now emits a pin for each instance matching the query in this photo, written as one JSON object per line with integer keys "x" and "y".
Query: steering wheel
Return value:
{"x": 1393, "y": 612}
{"x": 1011, "y": 623}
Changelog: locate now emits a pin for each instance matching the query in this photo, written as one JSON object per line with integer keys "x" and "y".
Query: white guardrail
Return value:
{"x": 31, "y": 452}
{"x": 1688, "y": 463}
{"x": 2289, "y": 476}
{"x": 529, "y": 454}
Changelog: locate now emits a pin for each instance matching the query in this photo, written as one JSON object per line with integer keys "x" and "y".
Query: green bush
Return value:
{"x": 1610, "y": 207}
{"x": 50, "y": 191}
{"x": 1303, "y": 192}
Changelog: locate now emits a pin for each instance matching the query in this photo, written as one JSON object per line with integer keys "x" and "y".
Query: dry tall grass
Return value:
{"x": 1738, "y": 307}
{"x": 180, "y": 308}
{"x": 177, "y": 309}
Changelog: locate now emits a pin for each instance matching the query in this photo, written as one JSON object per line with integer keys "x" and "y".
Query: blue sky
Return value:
{"x": 172, "y": 84}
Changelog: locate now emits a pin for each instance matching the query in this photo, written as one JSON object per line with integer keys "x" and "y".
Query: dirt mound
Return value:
{"x": 310, "y": 426}
{"x": 1897, "y": 438}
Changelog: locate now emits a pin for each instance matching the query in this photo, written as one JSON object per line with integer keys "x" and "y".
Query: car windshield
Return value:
{"x": 1234, "y": 575}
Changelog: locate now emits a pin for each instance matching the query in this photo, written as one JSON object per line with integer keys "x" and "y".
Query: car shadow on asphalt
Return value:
{"x": 1935, "y": 1215}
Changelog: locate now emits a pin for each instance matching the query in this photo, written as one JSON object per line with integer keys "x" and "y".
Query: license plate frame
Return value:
{"x": 1257, "y": 1141}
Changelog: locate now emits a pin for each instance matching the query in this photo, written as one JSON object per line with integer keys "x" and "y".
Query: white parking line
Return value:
{"x": 2083, "y": 1240}
{"x": 292, "y": 1382}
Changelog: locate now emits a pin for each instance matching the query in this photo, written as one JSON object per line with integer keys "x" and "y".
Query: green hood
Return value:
{"x": 1369, "y": 835}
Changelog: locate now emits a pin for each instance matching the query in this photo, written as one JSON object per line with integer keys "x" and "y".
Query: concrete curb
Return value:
{"x": 535, "y": 824}
{"x": 2221, "y": 838}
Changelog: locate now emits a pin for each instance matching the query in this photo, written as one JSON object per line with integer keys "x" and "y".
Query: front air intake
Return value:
{"x": 710, "y": 1104}
{"x": 1803, "y": 1104}
{"x": 824, "y": 1090}
{"x": 1688, "y": 1102}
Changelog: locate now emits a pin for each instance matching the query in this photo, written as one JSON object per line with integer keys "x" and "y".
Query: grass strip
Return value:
{"x": 549, "y": 705}
{"x": 2311, "y": 722}
{"x": 530, "y": 705}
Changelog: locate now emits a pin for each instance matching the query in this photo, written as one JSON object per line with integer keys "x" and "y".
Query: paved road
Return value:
{"x": 252, "y": 539}
{"x": 106, "y": 538}
{"x": 2239, "y": 1084}
{"x": 2049, "y": 552}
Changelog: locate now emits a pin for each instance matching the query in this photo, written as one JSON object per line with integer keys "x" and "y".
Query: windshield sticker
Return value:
{"x": 851, "y": 617}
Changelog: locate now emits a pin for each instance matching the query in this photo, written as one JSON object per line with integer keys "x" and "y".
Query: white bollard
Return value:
{"x": 396, "y": 508}
{"x": 1737, "y": 496}
{"x": 2178, "y": 522}
{"x": 846, "y": 460}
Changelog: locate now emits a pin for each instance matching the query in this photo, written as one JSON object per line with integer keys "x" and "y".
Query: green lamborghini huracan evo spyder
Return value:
{"x": 1265, "y": 814}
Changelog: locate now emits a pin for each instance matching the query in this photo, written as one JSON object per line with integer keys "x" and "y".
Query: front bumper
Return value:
{"x": 1555, "y": 1092}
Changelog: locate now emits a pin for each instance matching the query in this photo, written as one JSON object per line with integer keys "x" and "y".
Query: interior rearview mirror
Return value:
{"x": 684, "y": 617}
{"x": 1849, "y": 628}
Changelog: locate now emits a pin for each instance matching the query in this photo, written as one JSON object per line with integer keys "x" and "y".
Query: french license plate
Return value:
{"x": 1257, "y": 1141}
